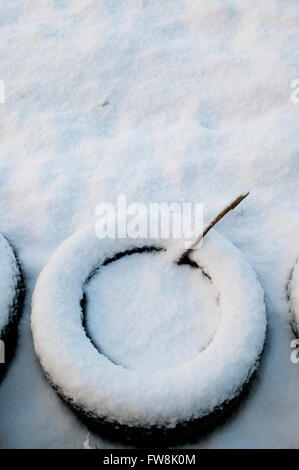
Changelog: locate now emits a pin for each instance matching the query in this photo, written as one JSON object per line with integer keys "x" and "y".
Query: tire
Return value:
{"x": 293, "y": 297}
{"x": 11, "y": 302}
{"x": 163, "y": 407}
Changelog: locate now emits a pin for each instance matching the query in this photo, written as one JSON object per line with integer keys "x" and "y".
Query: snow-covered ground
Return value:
{"x": 162, "y": 101}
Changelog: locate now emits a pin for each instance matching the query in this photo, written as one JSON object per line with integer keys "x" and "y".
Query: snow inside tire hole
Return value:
{"x": 143, "y": 313}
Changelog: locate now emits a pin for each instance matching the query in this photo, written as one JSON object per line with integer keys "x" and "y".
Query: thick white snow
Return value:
{"x": 198, "y": 109}
{"x": 143, "y": 312}
{"x": 142, "y": 396}
{"x": 9, "y": 276}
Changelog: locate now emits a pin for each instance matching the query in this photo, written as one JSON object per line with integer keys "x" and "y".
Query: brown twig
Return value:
{"x": 211, "y": 225}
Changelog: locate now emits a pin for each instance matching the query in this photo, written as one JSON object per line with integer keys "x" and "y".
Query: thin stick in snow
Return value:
{"x": 232, "y": 206}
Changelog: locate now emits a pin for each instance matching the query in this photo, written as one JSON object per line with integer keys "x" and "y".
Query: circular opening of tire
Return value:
{"x": 11, "y": 301}
{"x": 144, "y": 349}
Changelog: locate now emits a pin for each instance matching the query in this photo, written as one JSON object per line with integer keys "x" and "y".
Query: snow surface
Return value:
{"x": 142, "y": 396}
{"x": 9, "y": 276}
{"x": 198, "y": 108}
{"x": 144, "y": 313}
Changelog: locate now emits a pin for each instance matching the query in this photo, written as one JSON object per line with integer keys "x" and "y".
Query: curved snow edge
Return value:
{"x": 11, "y": 315}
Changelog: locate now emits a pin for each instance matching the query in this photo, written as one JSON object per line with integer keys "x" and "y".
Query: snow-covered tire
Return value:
{"x": 11, "y": 302}
{"x": 293, "y": 295}
{"x": 160, "y": 407}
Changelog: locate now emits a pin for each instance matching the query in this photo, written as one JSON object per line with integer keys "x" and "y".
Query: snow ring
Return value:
{"x": 136, "y": 404}
{"x": 11, "y": 301}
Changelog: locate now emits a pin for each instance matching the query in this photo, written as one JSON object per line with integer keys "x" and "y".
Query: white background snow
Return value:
{"x": 161, "y": 101}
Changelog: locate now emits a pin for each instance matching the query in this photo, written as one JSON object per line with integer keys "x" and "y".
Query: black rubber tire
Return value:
{"x": 9, "y": 334}
{"x": 154, "y": 436}
{"x": 52, "y": 314}
{"x": 293, "y": 307}
{"x": 159, "y": 437}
